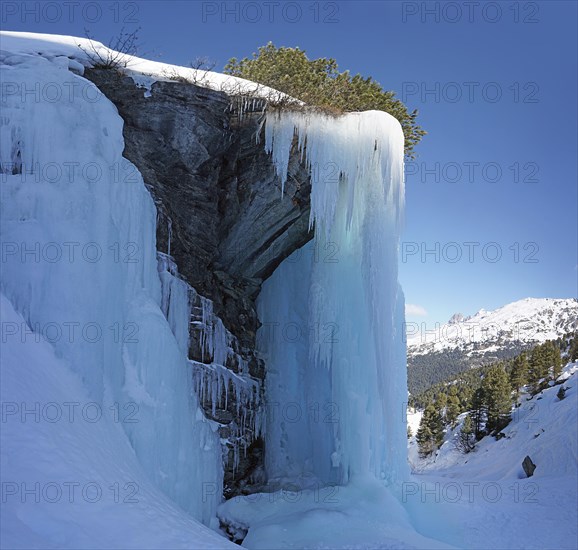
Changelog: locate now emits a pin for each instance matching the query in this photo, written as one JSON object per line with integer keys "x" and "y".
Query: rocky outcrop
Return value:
{"x": 221, "y": 215}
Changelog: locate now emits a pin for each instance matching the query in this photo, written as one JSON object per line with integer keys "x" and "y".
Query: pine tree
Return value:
{"x": 553, "y": 359}
{"x": 466, "y": 393}
{"x": 519, "y": 373}
{"x": 538, "y": 368}
{"x": 497, "y": 398}
{"x": 454, "y": 407}
{"x": 319, "y": 82}
{"x": 573, "y": 352}
{"x": 478, "y": 413}
{"x": 466, "y": 440}
{"x": 441, "y": 404}
{"x": 424, "y": 438}
{"x": 409, "y": 433}
{"x": 430, "y": 433}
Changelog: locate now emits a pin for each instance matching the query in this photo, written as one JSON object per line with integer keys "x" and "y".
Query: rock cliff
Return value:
{"x": 222, "y": 217}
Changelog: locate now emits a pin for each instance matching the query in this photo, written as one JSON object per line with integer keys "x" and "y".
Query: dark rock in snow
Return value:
{"x": 528, "y": 466}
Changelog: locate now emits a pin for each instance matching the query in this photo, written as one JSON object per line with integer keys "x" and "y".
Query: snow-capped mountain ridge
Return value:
{"x": 521, "y": 323}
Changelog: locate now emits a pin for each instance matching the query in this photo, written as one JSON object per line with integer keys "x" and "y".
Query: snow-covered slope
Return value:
{"x": 529, "y": 321}
{"x": 543, "y": 427}
{"x": 487, "y": 491}
{"x": 70, "y": 478}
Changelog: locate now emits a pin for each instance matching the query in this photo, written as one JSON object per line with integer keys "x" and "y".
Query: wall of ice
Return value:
{"x": 333, "y": 312}
{"x": 79, "y": 263}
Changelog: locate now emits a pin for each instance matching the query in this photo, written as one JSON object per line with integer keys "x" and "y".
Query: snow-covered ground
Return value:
{"x": 363, "y": 514}
{"x": 499, "y": 506}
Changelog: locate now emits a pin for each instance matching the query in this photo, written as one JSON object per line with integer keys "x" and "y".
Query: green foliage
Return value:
{"x": 430, "y": 434}
{"x": 519, "y": 373}
{"x": 537, "y": 370}
{"x": 478, "y": 413}
{"x": 441, "y": 404}
{"x": 485, "y": 392}
{"x": 435, "y": 370}
{"x": 466, "y": 440}
{"x": 461, "y": 384}
{"x": 454, "y": 406}
{"x": 553, "y": 359}
{"x": 496, "y": 395}
{"x": 318, "y": 82}
{"x": 424, "y": 371}
{"x": 545, "y": 363}
{"x": 573, "y": 351}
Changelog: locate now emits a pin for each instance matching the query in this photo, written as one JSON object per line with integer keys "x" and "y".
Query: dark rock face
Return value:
{"x": 221, "y": 215}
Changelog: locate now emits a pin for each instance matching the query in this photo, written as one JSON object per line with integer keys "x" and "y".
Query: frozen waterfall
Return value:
{"x": 333, "y": 312}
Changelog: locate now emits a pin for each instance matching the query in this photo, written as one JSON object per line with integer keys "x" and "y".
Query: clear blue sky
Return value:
{"x": 496, "y": 88}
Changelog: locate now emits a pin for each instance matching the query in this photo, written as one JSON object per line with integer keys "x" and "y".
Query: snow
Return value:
{"x": 413, "y": 419}
{"x": 76, "y": 53}
{"x": 70, "y": 478}
{"x": 363, "y": 514}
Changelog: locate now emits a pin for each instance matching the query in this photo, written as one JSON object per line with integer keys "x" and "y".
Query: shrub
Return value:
{"x": 318, "y": 82}
{"x": 117, "y": 55}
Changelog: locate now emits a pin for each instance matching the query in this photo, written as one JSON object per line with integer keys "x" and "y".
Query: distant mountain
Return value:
{"x": 488, "y": 336}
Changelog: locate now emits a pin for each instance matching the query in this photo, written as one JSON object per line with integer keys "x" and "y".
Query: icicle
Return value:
{"x": 170, "y": 233}
{"x": 220, "y": 377}
{"x": 207, "y": 330}
{"x": 238, "y": 398}
{"x": 213, "y": 397}
{"x": 221, "y": 347}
